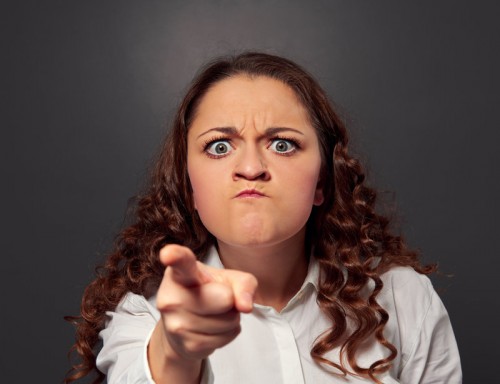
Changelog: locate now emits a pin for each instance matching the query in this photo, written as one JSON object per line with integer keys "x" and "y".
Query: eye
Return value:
{"x": 218, "y": 148}
{"x": 283, "y": 146}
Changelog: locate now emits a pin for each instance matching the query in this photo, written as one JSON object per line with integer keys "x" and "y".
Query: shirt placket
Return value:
{"x": 290, "y": 364}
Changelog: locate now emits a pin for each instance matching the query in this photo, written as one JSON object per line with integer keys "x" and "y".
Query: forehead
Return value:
{"x": 259, "y": 96}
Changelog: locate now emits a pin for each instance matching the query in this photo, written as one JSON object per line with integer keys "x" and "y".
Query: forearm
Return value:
{"x": 166, "y": 366}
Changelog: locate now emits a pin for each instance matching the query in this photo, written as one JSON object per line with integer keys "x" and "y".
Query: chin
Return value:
{"x": 249, "y": 242}
{"x": 260, "y": 240}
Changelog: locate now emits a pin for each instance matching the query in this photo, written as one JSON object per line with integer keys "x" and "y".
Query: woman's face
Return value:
{"x": 253, "y": 162}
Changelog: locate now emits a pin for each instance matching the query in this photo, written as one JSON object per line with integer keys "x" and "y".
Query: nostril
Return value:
{"x": 261, "y": 174}
{"x": 250, "y": 165}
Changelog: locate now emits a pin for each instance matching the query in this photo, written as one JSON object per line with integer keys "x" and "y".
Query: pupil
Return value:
{"x": 221, "y": 148}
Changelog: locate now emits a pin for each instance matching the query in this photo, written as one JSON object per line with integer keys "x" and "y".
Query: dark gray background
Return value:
{"x": 88, "y": 88}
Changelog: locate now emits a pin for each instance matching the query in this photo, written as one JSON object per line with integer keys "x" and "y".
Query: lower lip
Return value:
{"x": 250, "y": 195}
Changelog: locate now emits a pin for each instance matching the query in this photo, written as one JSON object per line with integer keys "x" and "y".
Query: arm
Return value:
{"x": 433, "y": 357}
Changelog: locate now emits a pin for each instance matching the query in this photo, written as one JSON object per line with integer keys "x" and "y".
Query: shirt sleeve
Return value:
{"x": 123, "y": 357}
{"x": 431, "y": 356}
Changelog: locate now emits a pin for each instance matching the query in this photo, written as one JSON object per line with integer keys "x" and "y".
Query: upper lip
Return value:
{"x": 249, "y": 191}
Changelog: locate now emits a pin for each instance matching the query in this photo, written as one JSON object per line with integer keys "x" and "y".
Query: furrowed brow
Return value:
{"x": 225, "y": 130}
{"x": 275, "y": 130}
{"x": 272, "y": 131}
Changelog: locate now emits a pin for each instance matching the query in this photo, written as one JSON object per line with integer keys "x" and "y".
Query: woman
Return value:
{"x": 298, "y": 280}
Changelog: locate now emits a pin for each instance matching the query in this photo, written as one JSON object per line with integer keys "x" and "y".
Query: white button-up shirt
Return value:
{"x": 274, "y": 347}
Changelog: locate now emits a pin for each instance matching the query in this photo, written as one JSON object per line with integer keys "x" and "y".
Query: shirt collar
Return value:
{"x": 312, "y": 276}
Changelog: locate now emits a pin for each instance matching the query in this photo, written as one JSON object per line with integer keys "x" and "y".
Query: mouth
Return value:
{"x": 250, "y": 193}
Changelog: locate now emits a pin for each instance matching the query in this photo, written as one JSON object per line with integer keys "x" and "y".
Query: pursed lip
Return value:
{"x": 250, "y": 193}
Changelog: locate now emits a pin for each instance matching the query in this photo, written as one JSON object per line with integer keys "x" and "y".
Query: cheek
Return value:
{"x": 208, "y": 203}
{"x": 197, "y": 185}
{"x": 302, "y": 191}
{"x": 202, "y": 199}
{"x": 205, "y": 188}
{"x": 298, "y": 194}
{"x": 303, "y": 183}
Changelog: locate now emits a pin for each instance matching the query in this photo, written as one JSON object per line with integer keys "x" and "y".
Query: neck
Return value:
{"x": 280, "y": 268}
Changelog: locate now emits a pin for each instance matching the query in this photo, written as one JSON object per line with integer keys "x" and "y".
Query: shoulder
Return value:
{"x": 135, "y": 305}
{"x": 403, "y": 283}
{"x": 130, "y": 322}
{"x": 419, "y": 326}
{"x": 413, "y": 306}
{"x": 408, "y": 297}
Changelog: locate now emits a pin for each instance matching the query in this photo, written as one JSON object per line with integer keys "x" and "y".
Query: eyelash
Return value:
{"x": 209, "y": 142}
{"x": 296, "y": 143}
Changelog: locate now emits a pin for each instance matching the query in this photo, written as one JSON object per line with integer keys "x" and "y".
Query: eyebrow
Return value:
{"x": 233, "y": 131}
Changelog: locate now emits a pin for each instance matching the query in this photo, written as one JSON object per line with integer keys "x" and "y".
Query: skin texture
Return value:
{"x": 254, "y": 165}
{"x": 288, "y": 181}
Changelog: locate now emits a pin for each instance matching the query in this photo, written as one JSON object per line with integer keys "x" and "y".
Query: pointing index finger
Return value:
{"x": 185, "y": 269}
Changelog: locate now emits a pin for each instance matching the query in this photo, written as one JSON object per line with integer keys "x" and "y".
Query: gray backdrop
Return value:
{"x": 88, "y": 88}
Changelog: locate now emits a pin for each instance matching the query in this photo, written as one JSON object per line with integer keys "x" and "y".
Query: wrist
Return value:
{"x": 167, "y": 366}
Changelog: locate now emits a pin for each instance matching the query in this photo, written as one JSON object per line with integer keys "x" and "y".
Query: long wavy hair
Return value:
{"x": 352, "y": 242}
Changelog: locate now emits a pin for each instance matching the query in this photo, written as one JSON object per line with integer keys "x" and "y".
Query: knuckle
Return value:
{"x": 170, "y": 308}
{"x": 225, "y": 298}
{"x": 167, "y": 303}
{"x": 199, "y": 348}
{"x": 162, "y": 302}
{"x": 175, "y": 326}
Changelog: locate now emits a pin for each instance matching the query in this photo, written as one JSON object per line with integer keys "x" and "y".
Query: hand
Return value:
{"x": 200, "y": 306}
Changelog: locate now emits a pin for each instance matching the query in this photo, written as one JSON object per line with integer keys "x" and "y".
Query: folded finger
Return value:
{"x": 211, "y": 298}
{"x": 204, "y": 325}
{"x": 200, "y": 345}
{"x": 243, "y": 286}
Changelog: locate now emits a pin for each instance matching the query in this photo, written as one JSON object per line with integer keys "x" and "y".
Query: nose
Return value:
{"x": 250, "y": 166}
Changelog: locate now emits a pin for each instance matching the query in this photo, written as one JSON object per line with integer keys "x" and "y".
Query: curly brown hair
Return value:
{"x": 345, "y": 232}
